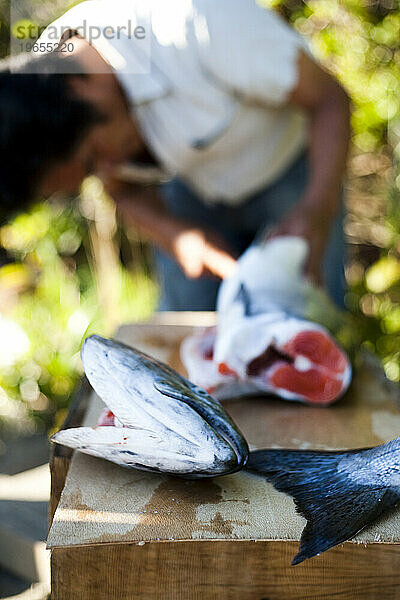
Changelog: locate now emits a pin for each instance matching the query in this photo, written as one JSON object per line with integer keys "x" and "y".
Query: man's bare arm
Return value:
{"x": 198, "y": 252}
{"x": 327, "y": 105}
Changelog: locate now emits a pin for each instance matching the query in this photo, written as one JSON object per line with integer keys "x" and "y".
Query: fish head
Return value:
{"x": 186, "y": 431}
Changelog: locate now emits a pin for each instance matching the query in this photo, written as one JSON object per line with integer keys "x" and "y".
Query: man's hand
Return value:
{"x": 313, "y": 224}
{"x": 202, "y": 253}
{"x": 198, "y": 252}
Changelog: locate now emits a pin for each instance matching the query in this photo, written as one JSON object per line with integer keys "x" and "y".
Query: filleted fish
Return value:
{"x": 263, "y": 341}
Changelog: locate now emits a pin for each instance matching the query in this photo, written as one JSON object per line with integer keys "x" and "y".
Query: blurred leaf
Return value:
{"x": 383, "y": 274}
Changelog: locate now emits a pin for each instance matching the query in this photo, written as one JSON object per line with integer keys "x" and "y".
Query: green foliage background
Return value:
{"x": 358, "y": 41}
{"x": 70, "y": 270}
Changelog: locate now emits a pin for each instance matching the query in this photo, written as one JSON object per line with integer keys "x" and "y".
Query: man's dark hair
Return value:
{"x": 41, "y": 124}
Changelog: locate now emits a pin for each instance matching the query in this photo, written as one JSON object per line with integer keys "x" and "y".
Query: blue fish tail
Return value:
{"x": 339, "y": 493}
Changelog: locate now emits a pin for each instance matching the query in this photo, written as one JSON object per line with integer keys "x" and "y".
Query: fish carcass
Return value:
{"x": 158, "y": 421}
{"x": 263, "y": 341}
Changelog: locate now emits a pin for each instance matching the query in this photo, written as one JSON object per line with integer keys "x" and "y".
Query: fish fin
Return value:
{"x": 180, "y": 392}
{"x": 243, "y": 296}
{"x": 340, "y": 518}
{"x": 166, "y": 389}
{"x": 189, "y": 393}
{"x": 335, "y": 504}
{"x": 210, "y": 409}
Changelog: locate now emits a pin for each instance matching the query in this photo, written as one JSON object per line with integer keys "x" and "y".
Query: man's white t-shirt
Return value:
{"x": 211, "y": 97}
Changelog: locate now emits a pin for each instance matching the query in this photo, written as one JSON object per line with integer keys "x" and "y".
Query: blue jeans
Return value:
{"x": 239, "y": 226}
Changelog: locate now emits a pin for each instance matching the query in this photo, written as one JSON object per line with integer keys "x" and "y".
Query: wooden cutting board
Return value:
{"x": 103, "y": 504}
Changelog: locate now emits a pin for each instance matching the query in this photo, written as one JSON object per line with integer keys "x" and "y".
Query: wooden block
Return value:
{"x": 207, "y": 529}
{"x": 59, "y": 466}
{"x": 224, "y": 570}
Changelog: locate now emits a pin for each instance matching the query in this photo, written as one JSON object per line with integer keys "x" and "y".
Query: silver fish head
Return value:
{"x": 168, "y": 423}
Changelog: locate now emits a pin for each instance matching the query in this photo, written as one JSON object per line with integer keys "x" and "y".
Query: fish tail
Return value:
{"x": 329, "y": 490}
